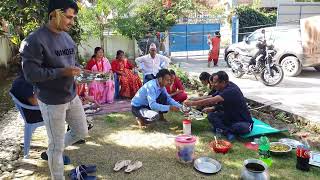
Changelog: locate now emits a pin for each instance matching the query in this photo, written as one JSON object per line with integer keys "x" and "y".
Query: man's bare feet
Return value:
{"x": 141, "y": 123}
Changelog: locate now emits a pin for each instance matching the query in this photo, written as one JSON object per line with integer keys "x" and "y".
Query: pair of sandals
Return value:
{"x": 131, "y": 166}
{"x": 81, "y": 172}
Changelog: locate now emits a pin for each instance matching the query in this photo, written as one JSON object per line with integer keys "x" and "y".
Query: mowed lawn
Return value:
{"x": 116, "y": 137}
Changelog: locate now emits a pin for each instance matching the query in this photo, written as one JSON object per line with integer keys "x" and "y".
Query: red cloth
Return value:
{"x": 174, "y": 87}
{"x": 180, "y": 97}
{"x": 130, "y": 83}
{"x": 214, "y": 53}
{"x": 90, "y": 64}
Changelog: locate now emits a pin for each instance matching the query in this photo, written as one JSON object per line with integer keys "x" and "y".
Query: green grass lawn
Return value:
{"x": 116, "y": 137}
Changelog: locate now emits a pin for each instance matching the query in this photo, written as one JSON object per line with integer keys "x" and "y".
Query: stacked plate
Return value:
{"x": 291, "y": 142}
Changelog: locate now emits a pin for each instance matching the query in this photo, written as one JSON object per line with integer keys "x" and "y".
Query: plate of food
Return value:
{"x": 207, "y": 165}
{"x": 279, "y": 148}
{"x": 185, "y": 109}
{"x": 87, "y": 77}
{"x": 196, "y": 115}
{"x": 292, "y": 142}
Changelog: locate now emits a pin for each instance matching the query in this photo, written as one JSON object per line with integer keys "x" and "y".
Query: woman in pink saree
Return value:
{"x": 99, "y": 64}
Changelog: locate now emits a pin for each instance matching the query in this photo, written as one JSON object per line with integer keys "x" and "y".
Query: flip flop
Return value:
{"x": 121, "y": 164}
{"x": 78, "y": 175}
{"x": 85, "y": 168}
{"x": 131, "y": 167}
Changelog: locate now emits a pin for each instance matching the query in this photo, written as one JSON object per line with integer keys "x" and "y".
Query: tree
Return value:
{"x": 24, "y": 16}
{"x": 253, "y": 18}
{"x": 95, "y": 19}
{"x": 152, "y": 16}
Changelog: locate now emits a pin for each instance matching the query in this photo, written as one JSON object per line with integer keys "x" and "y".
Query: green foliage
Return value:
{"x": 150, "y": 16}
{"x": 92, "y": 19}
{"x": 251, "y": 16}
{"x": 184, "y": 76}
{"x": 24, "y": 16}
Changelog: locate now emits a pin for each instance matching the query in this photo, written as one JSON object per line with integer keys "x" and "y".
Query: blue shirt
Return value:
{"x": 23, "y": 90}
{"x": 148, "y": 94}
{"x": 234, "y": 104}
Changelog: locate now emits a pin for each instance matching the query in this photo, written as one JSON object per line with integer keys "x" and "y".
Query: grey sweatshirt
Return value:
{"x": 44, "y": 55}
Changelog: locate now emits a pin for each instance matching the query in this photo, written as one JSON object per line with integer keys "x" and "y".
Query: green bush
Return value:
{"x": 184, "y": 76}
{"x": 251, "y": 16}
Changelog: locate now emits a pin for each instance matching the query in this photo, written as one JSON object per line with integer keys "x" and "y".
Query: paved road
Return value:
{"x": 298, "y": 95}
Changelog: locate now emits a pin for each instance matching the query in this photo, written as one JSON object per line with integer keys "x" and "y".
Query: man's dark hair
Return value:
{"x": 63, "y": 5}
{"x": 162, "y": 73}
{"x": 212, "y": 75}
{"x": 204, "y": 76}
{"x": 172, "y": 72}
{"x": 222, "y": 76}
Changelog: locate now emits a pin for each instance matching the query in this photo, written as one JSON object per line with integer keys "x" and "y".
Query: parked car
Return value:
{"x": 287, "y": 43}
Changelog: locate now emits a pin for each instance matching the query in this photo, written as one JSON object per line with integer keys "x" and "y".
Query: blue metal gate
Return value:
{"x": 191, "y": 37}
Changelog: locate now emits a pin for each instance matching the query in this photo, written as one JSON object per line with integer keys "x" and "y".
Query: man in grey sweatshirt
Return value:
{"x": 49, "y": 63}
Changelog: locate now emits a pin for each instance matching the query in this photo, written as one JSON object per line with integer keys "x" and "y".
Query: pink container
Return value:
{"x": 185, "y": 145}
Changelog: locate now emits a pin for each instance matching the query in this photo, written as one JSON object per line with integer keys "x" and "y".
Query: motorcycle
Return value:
{"x": 261, "y": 64}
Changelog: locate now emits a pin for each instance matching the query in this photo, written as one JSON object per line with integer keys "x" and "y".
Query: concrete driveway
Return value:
{"x": 297, "y": 95}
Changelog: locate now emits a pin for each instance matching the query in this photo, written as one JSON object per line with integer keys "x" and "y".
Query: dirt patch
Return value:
{"x": 283, "y": 120}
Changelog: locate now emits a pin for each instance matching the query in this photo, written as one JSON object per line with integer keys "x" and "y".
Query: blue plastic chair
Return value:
{"x": 28, "y": 128}
{"x": 116, "y": 86}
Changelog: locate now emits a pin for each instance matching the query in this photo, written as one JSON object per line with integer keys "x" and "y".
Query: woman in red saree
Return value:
{"x": 214, "y": 52}
{"x": 130, "y": 83}
{"x": 176, "y": 89}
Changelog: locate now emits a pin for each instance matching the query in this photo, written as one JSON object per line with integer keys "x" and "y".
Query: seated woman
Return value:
{"x": 130, "y": 83}
{"x": 99, "y": 64}
{"x": 176, "y": 89}
{"x": 205, "y": 79}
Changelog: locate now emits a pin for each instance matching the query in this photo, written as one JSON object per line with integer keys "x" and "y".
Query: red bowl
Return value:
{"x": 223, "y": 147}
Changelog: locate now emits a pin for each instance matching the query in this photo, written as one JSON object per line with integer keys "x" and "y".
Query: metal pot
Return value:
{"x": 254, "y": 169}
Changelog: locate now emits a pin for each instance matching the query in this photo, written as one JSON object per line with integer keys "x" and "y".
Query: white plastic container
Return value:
{"x": 186, "y": 127}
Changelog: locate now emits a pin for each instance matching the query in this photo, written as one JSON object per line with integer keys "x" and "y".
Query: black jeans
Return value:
{"x": 136, "y": 111}
{"x": 148, "y": 78}
{"x": 218, "y": 121}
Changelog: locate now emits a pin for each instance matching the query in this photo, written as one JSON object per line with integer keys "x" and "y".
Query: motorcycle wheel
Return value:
{"x": 277, "y": 76}
{"x": 236, "y": 73}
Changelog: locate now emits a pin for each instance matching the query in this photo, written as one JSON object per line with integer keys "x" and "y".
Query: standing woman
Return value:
{"x": 214, "y": 53}
{"x": 98, "y": 63}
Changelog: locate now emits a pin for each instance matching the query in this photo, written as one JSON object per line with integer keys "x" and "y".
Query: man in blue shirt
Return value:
{"x": 152, "y": 100}
{"x": 235, "y": 119}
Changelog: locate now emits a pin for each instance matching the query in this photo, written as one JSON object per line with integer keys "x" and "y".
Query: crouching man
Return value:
{"x": 152, "y": 100}
{"x": 235, "y": 119}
